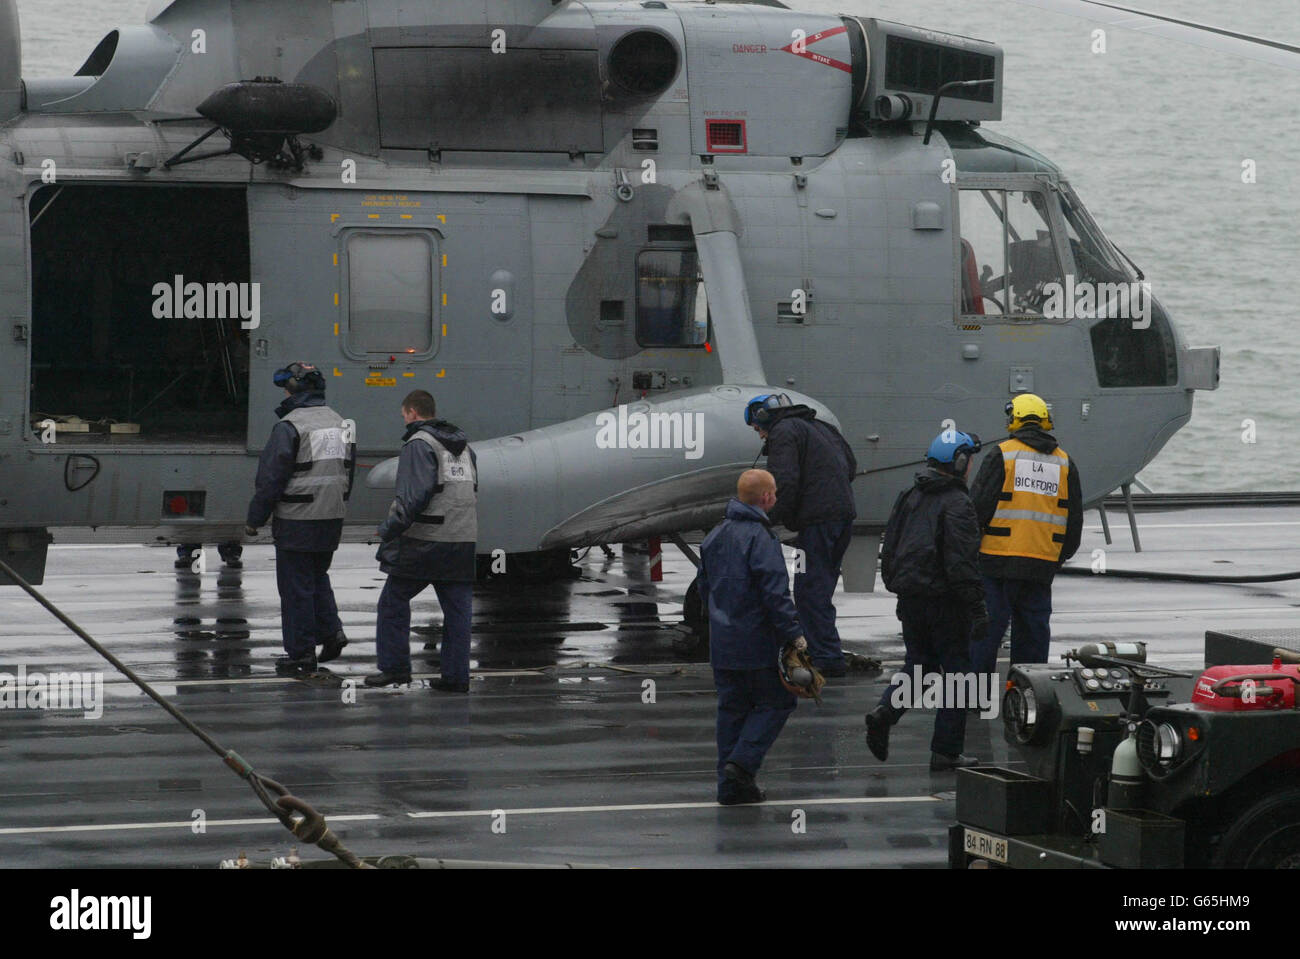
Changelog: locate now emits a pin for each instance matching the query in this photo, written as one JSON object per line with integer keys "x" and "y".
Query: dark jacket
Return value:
{"x": 273, "y": 472}
{"x": 988, "y": 487}
{"x": 814, "y": 468}
{"x": 931, "y": 545}
{"x": 746, "y": 589}
{"x": 417, "y": 476}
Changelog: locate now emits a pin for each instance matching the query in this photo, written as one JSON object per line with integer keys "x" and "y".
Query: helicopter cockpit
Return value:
{"x": 1031, "y": 253}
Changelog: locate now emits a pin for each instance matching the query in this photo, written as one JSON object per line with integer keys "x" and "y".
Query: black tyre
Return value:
{"x": 693, "y": 645}
{"x": 1266, "y": 835}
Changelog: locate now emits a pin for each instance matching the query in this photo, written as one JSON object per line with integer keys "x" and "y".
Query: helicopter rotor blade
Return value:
{"x": 1223, "y": 40}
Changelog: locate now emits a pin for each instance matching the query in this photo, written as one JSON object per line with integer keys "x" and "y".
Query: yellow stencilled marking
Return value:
{"x": 444, "y": 299}
{"x": 336, "y": 329}
{"x": 337, "y": 371}
{"x": 408, "y": 374}
{"x": 442, "y": 218}
{"x": 441, "y": 374}
{"x": 373, "y": 216}
{"x": 444, "y": 329}
{"x": 336, "y": 299}
{"x": 444, "y": 259}
{"x": 406, "y": 216}
{"x": 334, "y": 217}
{"x": 336, "y": 259}
{"x": 381, "y": 381}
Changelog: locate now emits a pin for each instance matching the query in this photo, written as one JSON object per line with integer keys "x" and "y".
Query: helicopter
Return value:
{"x": 592, "y": 230}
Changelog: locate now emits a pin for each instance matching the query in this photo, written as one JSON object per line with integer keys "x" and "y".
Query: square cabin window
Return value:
{"x": 671, "y": 307}
{"x": 393, "y": 290}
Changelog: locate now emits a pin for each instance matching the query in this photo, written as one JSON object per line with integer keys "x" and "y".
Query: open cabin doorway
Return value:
{"x": 109, "y": 345}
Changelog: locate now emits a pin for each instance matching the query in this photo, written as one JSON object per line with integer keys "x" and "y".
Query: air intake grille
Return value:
{"x": 726, "y": 136}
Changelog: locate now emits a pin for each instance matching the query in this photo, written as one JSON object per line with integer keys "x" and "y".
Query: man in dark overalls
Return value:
{"x": 746, "y": 591}
{"x": 814, "y": 469}
{"x": 304, "y": 478}
{"x": 429, "y": 536}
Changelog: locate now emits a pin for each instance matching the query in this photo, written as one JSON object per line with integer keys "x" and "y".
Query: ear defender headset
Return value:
{"x": 953, "y": 450}
{"x": 758, "y": 411}
{"x": 297, "y": 377}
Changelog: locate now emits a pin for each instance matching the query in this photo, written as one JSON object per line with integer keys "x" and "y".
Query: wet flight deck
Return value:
{"x": 561, "y": 753}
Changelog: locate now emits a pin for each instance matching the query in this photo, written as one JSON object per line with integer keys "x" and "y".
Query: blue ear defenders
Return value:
{"x": 758, "y": 411}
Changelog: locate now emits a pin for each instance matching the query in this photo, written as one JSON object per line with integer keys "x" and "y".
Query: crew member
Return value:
{"x": 930, "y": 558}
{"x": 814, "y": 468}
{"x": 304, "y": 479}
{"x": 428, "y": 537}
{"x": 745, "y": 588}
{"x": 1030, "y": 507}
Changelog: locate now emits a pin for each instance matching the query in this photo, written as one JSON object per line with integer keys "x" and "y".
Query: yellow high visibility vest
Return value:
{"x": 1034, "y": 505}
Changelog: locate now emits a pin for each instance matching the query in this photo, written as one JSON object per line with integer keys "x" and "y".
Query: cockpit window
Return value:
{"x": 1095, "y": 260}
{"x": 1007, "y": 256}
{"x": 1132, "y": 339}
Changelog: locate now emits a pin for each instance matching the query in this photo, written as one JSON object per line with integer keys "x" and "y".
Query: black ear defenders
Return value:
{"x": 297, "y": 377}
{"x": 961, "y": 457}
{"x": 759, "y": 412}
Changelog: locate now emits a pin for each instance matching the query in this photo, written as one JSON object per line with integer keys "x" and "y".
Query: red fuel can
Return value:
{"x": 1239, "y": 688}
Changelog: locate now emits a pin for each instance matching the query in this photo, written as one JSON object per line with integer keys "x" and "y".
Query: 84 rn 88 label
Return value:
{"x": 986, "y": 846}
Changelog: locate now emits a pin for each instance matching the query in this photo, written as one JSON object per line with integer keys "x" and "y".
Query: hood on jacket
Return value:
{"x": 743, "y": 511}
{"x": 298, "y": 400}
{"x": 936, "y": 481}
{"x": 448, "y": 434}
{"x": 800, "y": 412}
{"x": 1037, "y": 437}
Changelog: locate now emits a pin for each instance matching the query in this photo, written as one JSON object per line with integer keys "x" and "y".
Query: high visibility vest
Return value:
{"x": 452, "y": 513}
{"x": 318, "y": 487}
{"x": 1033, "y": 506}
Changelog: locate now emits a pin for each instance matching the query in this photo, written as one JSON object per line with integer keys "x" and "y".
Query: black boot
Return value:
{"x": 744, "y": 788}
{"x": 941, "y": 763}
{"x": 878, "y": 725}
{"x": 449, "y": 686}
{"x": 331, "y": 648}
{"x": 388, "y": 679}
{"x": 301, "y": 666}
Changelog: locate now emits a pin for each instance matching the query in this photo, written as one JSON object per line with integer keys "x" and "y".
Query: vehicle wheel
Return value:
{"x": 693, "y": 614}
{"x": 1266, "y": 835}
{"x": 693, "y": 645}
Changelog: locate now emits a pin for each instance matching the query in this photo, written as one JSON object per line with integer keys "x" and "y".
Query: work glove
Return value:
{"x": 798, "y": 674}
{"x": 250, "y": 531}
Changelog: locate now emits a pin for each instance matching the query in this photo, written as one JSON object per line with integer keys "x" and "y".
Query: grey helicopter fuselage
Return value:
{"x": 541, "y": 214}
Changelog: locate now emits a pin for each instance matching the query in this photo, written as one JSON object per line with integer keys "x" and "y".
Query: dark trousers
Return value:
{"x": 752, "y": 709}
{"x": 308, "y": 614}
{"x": 823, "y": 545}
{"x": 936, "y": 632}
{"x": 393, "y": 630}
{"x": 1027, "y": 605}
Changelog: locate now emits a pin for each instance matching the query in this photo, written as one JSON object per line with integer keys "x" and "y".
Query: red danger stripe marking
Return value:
{"x": 817, "y": 57}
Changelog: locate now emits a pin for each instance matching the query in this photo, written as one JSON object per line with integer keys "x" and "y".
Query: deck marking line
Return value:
{"x": 637, "y": 807}
{"x": 186, "y": 824}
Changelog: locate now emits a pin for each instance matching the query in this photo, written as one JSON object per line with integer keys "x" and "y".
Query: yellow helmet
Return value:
{"x": 1027, "y": 406}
